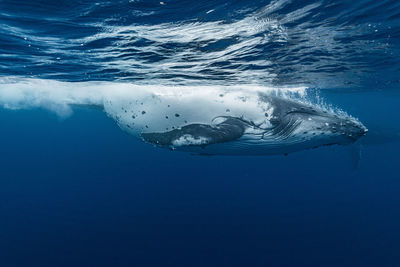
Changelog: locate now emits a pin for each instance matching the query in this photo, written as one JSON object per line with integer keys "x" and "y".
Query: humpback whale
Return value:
{"x": 230, "y": 122}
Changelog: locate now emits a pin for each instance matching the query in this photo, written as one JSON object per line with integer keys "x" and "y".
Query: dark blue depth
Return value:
{"x": 81, "y": 192}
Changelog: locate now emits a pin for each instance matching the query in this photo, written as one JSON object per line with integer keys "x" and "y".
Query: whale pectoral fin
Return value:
{"x": 198, "y": 134}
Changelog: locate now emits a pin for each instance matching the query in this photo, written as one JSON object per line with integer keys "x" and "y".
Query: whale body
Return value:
{"x": 230, "y": 122}
{"x": 206, "y": 120}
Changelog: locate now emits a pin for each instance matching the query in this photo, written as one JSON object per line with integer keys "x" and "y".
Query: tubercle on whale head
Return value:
{"x": 313, "y": 122}
{"x": 346, "y": 129}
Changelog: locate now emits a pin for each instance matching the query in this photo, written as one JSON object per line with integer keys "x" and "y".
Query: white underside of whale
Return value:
{"x": 164, "y": 109}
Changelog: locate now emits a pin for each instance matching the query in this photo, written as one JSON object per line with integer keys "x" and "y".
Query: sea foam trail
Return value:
{"x": 59, "y": 97}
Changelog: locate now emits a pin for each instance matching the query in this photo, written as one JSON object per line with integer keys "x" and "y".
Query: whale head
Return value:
{"x": 298, "y": 126}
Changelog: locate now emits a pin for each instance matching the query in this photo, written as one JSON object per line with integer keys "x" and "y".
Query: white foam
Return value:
{"x": 23, "y": 93}
{"x": 143, "y": 108}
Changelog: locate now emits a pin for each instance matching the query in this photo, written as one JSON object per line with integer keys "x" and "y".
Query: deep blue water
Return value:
{"x": 78, "y": 191}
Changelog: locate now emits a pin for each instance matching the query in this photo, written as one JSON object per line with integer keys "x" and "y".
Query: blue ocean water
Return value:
{"x": 76, "y": 190}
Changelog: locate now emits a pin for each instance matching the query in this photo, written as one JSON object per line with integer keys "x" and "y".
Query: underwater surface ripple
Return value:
{"x": 314, "y": 43}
